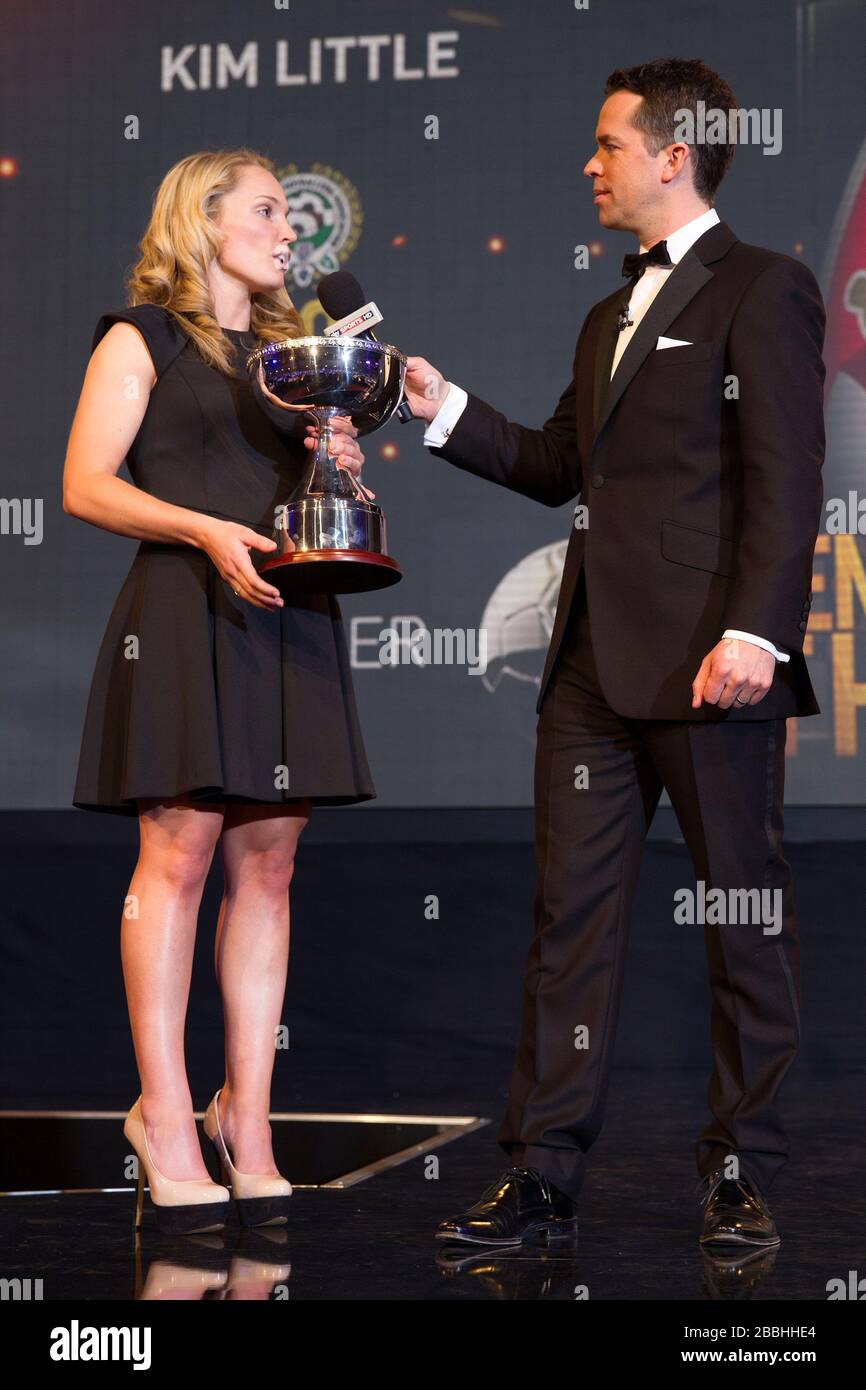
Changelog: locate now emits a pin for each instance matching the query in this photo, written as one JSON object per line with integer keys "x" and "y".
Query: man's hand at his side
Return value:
{"x": 733, "y": 671}
{"x": 425, "y": 388}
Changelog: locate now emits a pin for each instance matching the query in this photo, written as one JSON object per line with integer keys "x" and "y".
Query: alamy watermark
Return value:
{"x": 408, "y": 641}
{"x": 846, "y": 517}
{"x": 738, "y": 126}
{"x": 727, "y": 907}
{"x": 22, "y": 516}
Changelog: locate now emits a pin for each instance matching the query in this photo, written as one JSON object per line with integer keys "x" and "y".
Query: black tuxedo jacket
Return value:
{"x": 700, "y": 469}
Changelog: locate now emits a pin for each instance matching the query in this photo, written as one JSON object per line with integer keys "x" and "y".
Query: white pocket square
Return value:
{"x": 672, "y": 342}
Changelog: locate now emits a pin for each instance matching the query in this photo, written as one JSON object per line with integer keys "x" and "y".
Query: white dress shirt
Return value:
{"x": 643, "y": 294}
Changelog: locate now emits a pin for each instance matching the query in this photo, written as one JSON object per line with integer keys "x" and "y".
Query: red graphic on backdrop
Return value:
{"x": 845, "y": 281}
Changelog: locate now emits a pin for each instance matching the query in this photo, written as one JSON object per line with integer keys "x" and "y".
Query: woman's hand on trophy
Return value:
{"x": 345, "y": 447}
{"x": 228, "y": 543}
{"x": 425, "y": 388}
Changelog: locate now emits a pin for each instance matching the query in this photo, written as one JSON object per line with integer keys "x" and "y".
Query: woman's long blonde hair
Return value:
{"x": 179, "y": 244}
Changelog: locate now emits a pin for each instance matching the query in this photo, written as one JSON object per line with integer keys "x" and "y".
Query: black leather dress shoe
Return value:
{"x": 521, "y": 1207}
{"x": 735, "y": 1213}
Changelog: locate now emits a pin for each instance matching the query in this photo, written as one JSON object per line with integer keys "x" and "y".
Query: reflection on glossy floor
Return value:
{"x": 374, "y": 1240}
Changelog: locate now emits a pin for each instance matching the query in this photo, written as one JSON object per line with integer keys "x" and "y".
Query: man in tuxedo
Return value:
{"x": 692, "y": 430}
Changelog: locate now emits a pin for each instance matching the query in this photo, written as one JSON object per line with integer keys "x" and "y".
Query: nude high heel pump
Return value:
{"x": 180, "y": 1206}
{"x": 262, "y": 1199}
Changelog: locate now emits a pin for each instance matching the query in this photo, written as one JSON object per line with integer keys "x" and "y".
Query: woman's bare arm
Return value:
{"x": 117, "y": 385}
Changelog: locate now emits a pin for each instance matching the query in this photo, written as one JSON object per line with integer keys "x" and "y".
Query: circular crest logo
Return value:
{"x": 325, "y": 211}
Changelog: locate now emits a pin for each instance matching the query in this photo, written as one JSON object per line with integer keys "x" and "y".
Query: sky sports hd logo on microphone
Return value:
{"x": 359, "y": 321}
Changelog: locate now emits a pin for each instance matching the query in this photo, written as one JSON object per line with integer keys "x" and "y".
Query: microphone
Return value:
{"x": 342, "y": 299}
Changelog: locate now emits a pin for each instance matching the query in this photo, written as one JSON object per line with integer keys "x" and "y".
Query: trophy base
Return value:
{"x": 331, "y": 571}
{"x": 337, "y": 547}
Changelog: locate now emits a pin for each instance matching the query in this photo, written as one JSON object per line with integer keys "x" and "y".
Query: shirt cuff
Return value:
{"x": 759, "y": 642}
{"x": 439, "y": 428}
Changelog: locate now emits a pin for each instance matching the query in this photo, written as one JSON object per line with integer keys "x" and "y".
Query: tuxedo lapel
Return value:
{"x": 681, "y": 286}
{"x": 605, "y": 346}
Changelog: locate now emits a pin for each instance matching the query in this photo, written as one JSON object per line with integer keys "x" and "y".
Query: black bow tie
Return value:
{"x": 635, "y": 264}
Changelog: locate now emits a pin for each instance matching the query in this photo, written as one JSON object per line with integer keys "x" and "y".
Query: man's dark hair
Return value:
{"x": 668, "y": 85}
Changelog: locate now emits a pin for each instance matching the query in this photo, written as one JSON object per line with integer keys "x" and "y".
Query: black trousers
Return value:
{"x": 725, "y": 781}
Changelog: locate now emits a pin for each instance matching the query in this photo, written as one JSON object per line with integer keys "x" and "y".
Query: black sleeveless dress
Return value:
{"x": 196, "y": 692}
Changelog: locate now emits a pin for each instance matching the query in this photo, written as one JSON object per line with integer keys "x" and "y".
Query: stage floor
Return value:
{"x": 402, "y": 1018}
{"x": 375, "y": 1239}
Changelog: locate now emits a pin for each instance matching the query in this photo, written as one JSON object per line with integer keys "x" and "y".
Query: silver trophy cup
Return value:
{"x": 333, "y": 539}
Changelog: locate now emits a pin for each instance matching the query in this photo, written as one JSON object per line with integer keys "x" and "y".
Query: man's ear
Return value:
{"x": 678, "y": 159}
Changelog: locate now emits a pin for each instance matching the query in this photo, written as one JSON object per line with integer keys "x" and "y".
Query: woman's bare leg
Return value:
{"x": 251, "y": 957}
{"x": 177, "y": 845}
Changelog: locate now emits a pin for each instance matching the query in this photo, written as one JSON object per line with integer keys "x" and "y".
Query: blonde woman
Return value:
{"x": 219, "y": 712}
